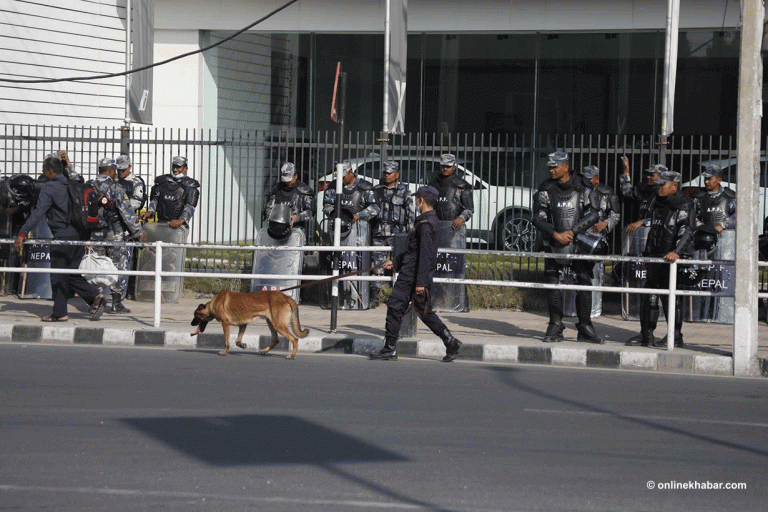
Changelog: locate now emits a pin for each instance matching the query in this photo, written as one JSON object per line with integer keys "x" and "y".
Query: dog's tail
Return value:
{"x": 295, "y": 324}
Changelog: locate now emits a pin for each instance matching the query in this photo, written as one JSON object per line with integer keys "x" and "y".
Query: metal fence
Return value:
{"x": 237, "y": 169}
{"x": 157, "y": 273}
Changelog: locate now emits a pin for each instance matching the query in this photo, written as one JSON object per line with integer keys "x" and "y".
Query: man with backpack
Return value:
{"x": 117, "y": 222}
{"x": 53, "y": 206}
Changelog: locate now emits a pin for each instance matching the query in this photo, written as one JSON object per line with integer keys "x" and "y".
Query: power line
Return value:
{"x": 112, "y": 75}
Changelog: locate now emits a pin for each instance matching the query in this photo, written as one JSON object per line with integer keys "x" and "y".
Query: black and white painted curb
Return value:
{"x": 629, "y": 359}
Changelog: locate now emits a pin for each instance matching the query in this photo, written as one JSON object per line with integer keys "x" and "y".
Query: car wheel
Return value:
{"x": 515, "y": 232}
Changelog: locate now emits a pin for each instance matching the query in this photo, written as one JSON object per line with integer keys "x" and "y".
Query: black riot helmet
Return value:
{"x": 705, "y": 238}
{"x": 279, "y": 226}
{"x": 22, "y": 187}
{"x": 346, "y": 219}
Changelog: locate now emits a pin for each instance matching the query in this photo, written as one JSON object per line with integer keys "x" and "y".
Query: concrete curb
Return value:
{"x": 628, "y": 359}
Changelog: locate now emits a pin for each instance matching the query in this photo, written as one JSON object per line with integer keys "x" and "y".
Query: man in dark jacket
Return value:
{"x": 53, "y": 206}
{"x": 414, "y": 281}
{"x": 174, "y": 196}
{"x": 563, "y": 208}
{"x": 455, "y": 202}
{"x": 671, "y": 218}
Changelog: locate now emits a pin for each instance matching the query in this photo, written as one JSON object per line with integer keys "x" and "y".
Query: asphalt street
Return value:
{"x": 116, "y": 428}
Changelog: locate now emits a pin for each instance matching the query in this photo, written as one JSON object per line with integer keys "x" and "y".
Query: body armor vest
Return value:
{"x": 645, "y": 195}
{"x": 566, "y": 208}
{"x": 393, "y": 214}
{"x": 352, "y": 199}
{"x": 666, "y": 222}
{"x": 449, "y": 203}
{"x": 170, "y": 202}
{"x": 714, "y": 209}
{"x": 289, "y": 196}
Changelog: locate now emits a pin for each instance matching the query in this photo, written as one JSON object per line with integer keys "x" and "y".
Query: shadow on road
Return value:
{"x": 248, "y": 440}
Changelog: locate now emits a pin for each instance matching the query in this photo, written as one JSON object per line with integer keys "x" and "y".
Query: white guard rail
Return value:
{"x": 158, "y": 273}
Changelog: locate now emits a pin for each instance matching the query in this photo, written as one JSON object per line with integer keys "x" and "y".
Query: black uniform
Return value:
{"x": 417, "y": 269}
{"x": 174, "y": 198}
{"x": 561, "y": 207}
{"x": 718, "y": 209}
{"x": 455, "y": 198}
{"x": 643, "y": 194}
{"x": 300, "y": 198}
{"x": 671, "y": 223}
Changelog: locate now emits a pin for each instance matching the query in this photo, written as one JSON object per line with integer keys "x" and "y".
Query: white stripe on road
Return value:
{"x": 650, "y": 418}
{"x": 194, "y": 495}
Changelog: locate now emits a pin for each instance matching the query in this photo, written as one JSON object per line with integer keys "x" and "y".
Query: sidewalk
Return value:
{"x": 488, "y": 335}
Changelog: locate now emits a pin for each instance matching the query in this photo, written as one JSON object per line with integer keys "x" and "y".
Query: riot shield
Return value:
{"x": 278, "y": 262}
{"x": 448, "y": 296}
{"x": 717, "y": 278}
{"x": 173, "y": 261}
{"x": 352, "y": 294}
{"x": 633, "y": 274}
{"x": 37, "y": 286}
{"x": 569, "y": 296}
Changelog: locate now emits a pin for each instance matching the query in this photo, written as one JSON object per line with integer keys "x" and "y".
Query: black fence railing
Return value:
{"x": 237, "y": 169}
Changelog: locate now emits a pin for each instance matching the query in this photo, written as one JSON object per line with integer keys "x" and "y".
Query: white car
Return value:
{"x": 728, "y": 166}
{"x": 502, "y": 215}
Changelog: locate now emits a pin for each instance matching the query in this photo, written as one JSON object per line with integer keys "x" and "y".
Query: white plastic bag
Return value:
{"x": 92, "y": 261}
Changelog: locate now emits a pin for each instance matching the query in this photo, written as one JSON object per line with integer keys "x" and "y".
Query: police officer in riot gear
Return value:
{"x": 395, "y": 217}
{"x": 296, "y": 194}
{"x": 17, "y": 195}
{"x": 671, "y": 219}
{"x": 642, "y": 193}
{"x": 609, "y": 209}
{"x": 174, "y": 196}
{"x": 563, "y": 208}
{"x": 455, "y": 203}
{"x": 134, "y": 185}
{"x": 117, "y": 222}
{"x": 356, "y": 197}
{"x": 715, "y": 205}
{"x": 136, "y": 190}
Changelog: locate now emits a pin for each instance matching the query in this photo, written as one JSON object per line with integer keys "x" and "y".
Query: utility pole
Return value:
{"x": 747, "y": 175}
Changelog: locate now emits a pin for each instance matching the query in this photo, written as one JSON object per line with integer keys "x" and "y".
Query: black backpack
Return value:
{"x": 84, "y": 205}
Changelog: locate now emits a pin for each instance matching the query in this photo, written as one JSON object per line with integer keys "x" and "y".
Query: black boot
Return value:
{"x": 649, "y": 317}
{"x": 452, "y": 345}
{"x": 554, "y": 333}
{"x": 555, "y": 328}
{"x": 117, "y": 305}
{"x": 388, "y": 353}
{"x": 584, "y": 311}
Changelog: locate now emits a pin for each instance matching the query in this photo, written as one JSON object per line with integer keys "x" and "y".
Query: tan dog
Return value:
{"x": 234, "y": 308}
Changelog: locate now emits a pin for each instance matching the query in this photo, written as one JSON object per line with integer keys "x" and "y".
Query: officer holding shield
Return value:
{"x": 609, "y": 209}
{"x": 174, "y": 196}
{"x": 455, "y": 202}
{"x": 357, "y": 197}
{"x": 294, "y": 193}
{"x": 395, "y": 217}
{"x": 715, "y": 205}
{"x": 564, "y": 208}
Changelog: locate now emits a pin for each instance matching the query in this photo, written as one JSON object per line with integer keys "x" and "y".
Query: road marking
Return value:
{"x": 194, "y": 495}
{"x": 650, "y": 418}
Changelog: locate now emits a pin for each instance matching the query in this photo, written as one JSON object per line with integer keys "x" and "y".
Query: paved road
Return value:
{"x": 114, "y": 428}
